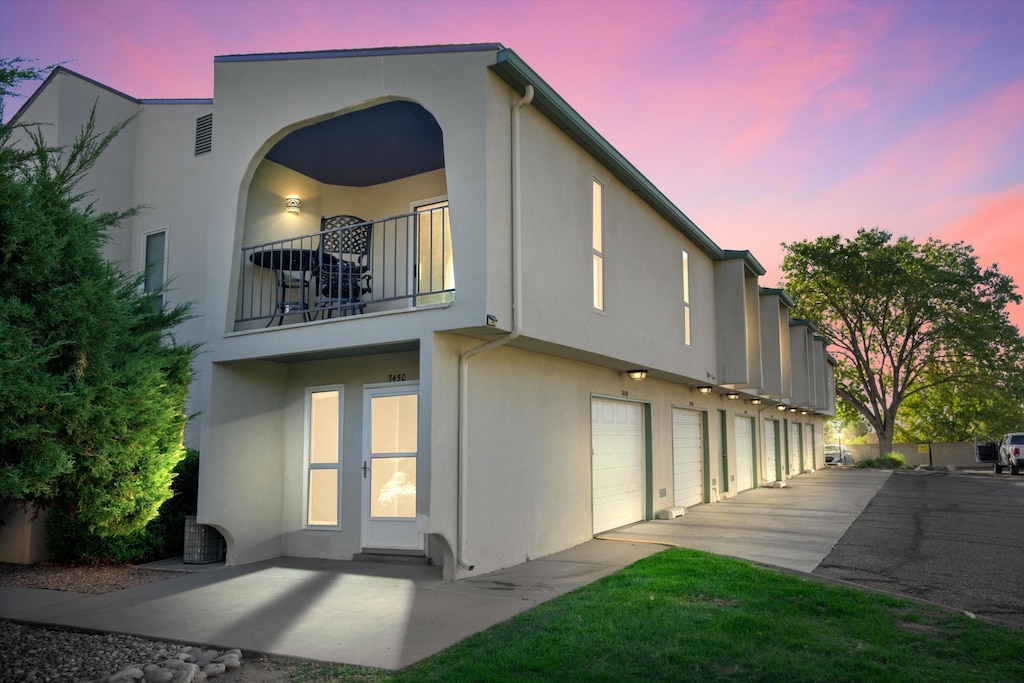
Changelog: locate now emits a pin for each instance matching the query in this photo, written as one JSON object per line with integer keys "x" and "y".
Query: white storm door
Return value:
{"x": 744, "y": 455}
{"x": 687, "y": 456}
{"x": 617, "y": 432}
{"x": 390, "y": 424}
{"x": 770, "y": 451}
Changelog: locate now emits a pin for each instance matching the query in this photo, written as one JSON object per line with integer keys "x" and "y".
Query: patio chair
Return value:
{"x": 343, "y": 276}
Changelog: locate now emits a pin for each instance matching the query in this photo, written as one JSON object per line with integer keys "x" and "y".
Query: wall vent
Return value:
{"x": 204, "y": 134}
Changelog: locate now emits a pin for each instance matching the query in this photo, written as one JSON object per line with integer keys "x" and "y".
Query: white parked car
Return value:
{"x": 1011, "y": 453}
{"x": 837, "y": 455}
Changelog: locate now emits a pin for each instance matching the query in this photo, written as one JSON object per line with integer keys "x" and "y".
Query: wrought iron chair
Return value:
{"x": 343, "y": 276}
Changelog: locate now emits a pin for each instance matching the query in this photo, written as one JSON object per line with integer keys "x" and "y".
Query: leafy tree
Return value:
{"x": 903, "y": 317}
{"x": 92, "y": 385}
{"x": 962, "y": 411}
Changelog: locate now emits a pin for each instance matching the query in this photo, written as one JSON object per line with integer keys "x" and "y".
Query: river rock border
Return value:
{"x": 192, "y": 665}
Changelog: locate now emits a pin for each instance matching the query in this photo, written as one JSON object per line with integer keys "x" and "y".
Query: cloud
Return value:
{"x": 995, "y": 228}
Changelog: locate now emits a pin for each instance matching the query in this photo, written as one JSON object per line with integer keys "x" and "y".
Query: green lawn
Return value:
{"x": 685, "y": 615}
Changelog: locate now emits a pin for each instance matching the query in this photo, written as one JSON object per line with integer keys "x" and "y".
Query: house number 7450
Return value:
{"x": 398, "y": 377}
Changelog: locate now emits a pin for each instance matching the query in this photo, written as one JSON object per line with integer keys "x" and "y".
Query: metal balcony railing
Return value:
{"x": 393, "y": 263}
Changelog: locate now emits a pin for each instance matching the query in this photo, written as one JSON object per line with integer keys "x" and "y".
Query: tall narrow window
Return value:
{"x": 323, "y": 457}
{"x": 598, "y": 246}
{"x": 155, "y": 259}
{"x": 435, "y": 266}
{"x": 686, "y": 298}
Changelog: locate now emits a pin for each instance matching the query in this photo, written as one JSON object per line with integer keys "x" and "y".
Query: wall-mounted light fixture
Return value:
{"x": 803, "y": 412}
{"x": 637, "y": 374}
{"x": 780, "y": 408}
{"x": 703, "y": 390}
{"x": 732, "y": 397}
{"x": 292, "y": 203}
{"x": 756, "y": 401}
{"x": 792, "y": 410}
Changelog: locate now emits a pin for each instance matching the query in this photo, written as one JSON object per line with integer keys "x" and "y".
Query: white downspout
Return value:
{"x": 517, "y": 327}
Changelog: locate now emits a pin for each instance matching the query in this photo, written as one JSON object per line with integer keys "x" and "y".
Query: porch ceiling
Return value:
{"x": 366, "y": 147}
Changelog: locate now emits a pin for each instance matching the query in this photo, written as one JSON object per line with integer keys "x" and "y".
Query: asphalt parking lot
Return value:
{"x": 951, "y": 538}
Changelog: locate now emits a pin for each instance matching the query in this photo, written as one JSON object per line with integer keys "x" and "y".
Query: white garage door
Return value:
{"x": 744, "y": 454}
{"x": 795, "y": 449}
{"x": 687, "y": 456}
{"x": 771, "y": 453}
{"x": 618, "y": 463}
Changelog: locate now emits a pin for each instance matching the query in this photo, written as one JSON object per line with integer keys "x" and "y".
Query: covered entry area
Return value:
{"x": 618, "y": 452}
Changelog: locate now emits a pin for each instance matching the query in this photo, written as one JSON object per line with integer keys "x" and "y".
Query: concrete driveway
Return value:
{"x": 953, "y": 539}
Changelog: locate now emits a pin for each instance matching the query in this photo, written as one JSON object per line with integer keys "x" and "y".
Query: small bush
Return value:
{"x": 70, "y": 540}
{"x": 893, "y": 461}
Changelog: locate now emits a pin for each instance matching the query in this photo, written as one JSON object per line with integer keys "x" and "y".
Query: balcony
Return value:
{"x": 389, "y": 264}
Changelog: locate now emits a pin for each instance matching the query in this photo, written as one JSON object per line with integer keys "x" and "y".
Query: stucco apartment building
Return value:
{"x": 503, "y": 340}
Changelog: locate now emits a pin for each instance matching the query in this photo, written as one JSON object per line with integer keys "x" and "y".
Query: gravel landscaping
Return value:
{"x": 38, "y": 654}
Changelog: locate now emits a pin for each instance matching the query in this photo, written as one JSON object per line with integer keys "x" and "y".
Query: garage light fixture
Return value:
{"x": 732, "y": 397}
{"x": 703, "y": 390}
{"x": 637, "y": 374}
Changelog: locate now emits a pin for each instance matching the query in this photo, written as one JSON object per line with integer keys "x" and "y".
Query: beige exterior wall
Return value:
{"x": 528, "y": 455}
{"x": 642, "y": 320}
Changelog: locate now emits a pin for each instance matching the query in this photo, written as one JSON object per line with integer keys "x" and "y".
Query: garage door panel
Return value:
{"x": 744, "y": 454}
{"x": 618, "y": 461}
{"x": 687, "y": 457}
{"x": 770, "y": 451}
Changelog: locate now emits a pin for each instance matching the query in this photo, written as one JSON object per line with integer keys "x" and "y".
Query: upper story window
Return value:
{"x": 597, "y": 245}
{"x": 686, "y": 297}
{"x": 155, "y": 259}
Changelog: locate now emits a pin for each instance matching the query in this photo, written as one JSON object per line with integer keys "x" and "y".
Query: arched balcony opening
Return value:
{"x": 347, "y": 216}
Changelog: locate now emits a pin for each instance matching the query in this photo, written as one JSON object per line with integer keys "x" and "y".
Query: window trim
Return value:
{"x": 687, "y": 323}
{"x": 597, "y": 213}
{"x": 143, "y": 255}
{"x": 308, "y": 466}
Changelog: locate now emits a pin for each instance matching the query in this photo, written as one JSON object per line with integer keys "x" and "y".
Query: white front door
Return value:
{"x": 744, "y": 454}
{"x": 618, "y": 447}
{"x": 687, "y": 456}
{"x": 390, "y": 423}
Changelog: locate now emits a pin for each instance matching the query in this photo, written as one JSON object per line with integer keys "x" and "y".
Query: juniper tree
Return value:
{"x": 92, "y": 383}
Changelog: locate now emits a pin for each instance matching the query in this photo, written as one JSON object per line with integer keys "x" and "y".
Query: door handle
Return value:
{"x": 366, "y": 468}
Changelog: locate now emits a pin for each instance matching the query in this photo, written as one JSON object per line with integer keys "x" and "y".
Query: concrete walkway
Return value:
{"x": 391, "y": 616}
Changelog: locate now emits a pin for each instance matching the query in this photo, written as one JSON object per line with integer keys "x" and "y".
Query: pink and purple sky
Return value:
{"x": 764, "y": 122}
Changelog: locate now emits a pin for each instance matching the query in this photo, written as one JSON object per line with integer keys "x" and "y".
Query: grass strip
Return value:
{"x": 688, "y": 615}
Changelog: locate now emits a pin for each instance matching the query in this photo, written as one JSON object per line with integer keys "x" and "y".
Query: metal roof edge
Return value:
{"x": 360, "y": 52}
{"x": 57, "y": 70}
{"x": 182, "y": 100}
{"x": 514, "y": 71}
{"x": 800, "y": 322}
{"x": 781, "y": 293}
{"x": 747, "y": 257}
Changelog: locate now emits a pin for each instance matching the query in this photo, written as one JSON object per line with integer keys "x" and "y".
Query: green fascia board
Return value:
{"x": 518, "y": 74}
{"x": 781, "y": 293}
{"x": 800, "y": 322}
{"x": 748, "y": 260}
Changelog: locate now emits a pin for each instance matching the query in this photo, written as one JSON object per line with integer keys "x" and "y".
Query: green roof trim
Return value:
{"x": 781, "y": 293}
{"x": 514, "y": 71}
{"x": 800, "y": 322}
{"x": 747, "y": 257}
